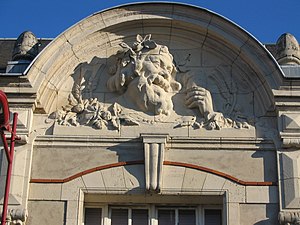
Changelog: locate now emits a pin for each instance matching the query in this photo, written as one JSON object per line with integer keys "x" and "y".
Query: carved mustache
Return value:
{"x": 160, "y": 80}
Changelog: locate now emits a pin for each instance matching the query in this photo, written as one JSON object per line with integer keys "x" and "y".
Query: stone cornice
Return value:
{"x": 191, "y": 143}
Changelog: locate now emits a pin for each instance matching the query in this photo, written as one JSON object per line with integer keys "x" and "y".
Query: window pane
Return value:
{"x": 139, "y": 217}
{"x": 187, "y": 217}
{"x": 119, "y": 217}
{"x": 213, "y": 217}
{"x": 92, "y": 216}
{"x": 166, "y": 217}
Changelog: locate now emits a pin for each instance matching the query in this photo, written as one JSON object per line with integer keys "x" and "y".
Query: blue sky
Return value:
{"x": 264, "y": 19}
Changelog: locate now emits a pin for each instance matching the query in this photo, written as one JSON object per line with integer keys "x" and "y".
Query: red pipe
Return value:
{"x": 5, "y": 145}
{"x": 10, "y": 157}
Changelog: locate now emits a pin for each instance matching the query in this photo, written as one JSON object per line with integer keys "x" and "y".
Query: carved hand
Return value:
{"x": 198, "y": 97}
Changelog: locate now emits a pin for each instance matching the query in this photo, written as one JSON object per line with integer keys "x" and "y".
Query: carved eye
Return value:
{"x": 169, "y": 69}
{"x": 155, "y": 61}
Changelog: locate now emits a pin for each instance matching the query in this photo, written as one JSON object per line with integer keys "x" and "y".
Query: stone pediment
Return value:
{"x": 138, "y": 69}
{"x": 145, "y": 84}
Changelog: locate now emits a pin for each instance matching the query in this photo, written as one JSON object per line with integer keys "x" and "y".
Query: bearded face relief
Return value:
{"x": 143, "y": 80}
{"x": 155, "y": 83}
{"x": 147, "y": 78}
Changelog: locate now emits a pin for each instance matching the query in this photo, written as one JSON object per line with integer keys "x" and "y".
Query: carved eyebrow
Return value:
{"x": 154, "y": 57}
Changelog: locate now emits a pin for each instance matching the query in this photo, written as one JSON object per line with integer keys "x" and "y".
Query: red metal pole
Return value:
{"x": 5, "y": 145}
{"x": 9, "y": 167}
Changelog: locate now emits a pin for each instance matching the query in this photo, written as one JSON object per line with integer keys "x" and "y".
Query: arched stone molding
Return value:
{"x": 200, "y": 188}
{"x": 212, "y": 41}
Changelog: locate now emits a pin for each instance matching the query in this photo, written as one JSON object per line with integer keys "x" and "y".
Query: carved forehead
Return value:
{"x": 160, "y": 51}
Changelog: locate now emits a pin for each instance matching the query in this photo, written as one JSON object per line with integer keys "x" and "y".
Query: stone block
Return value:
{"x": 191, "y": 17}
{"x": 235, "y": 192}
{"x": 25, "y": 116}
{"x": 71, "y": 190}
{"x": 71, "y": 221}
{"x": 185, "y": 39}
{"x": 261, "y": 194}
{"x": 168, "y": 127}
{"x": 118, "y": 181}
{"x": 213, "y": 183}
{"x": 233, "y": 212}
{"x": 60, "y": 163}
{"x": 291, "y": 71}
{"x": 290, "y": 164}
{"x": 72, "y": 210}
{"x": 266, "y": 214}
{"x": 45, "y": 191}
{"x": 17, "y": 187}
{"x": 241, "y": 162}
{"x": 120, "y": 16}
{"x": 173, "y": 178}
{"x": 134, "y": 177}
{"x": 291, "y": 193}
{"x": 83, "y": 130}
{"x": 20, "y": 160}
{"x": 193, "y": 180}
{"x": 210, "y": 59}
{"x": 46, "y": 212}
{"x": 224, "y": 133}
{"x": 290, "y": 178}
{"x": 93, "y": 180}
{"x": 291, "y": 121}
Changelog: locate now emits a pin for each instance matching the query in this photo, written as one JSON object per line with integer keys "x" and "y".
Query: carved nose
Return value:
{"x": 164, "y": 73}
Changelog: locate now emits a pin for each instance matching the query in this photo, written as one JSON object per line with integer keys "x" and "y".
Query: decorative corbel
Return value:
{"x": 16, "y": 216}
{"x": 289, "y": 218}
{"x": 154, "y": 148}
{"x": 289, "y": 125}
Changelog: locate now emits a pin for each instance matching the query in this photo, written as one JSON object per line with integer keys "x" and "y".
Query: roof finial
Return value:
{"x": 287, "y": 50}
{"x": 26, "y": 47}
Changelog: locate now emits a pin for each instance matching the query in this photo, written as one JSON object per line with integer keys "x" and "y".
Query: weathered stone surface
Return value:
{"x": 287, "y": 50}
{"x": 37, "y": 192}
{"x": 258, "y": 213}
{"x": 50, "y": 212}
{"x": 210, "y": 87}
{"x": 261, "y": 194}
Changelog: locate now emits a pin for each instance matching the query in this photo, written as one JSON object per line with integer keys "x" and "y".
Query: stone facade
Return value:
{"x": 155, "y": 106}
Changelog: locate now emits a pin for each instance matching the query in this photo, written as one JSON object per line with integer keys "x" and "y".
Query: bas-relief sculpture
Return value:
{"x": 146, "y": 80}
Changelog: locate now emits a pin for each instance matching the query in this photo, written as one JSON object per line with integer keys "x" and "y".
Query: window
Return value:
{"x": 213, "y": 217}
{"x": 93, "y": 216}
{"x": 125, "y": 216}
{"x": 161, "y": 215}
{"x": 176, "y": 216}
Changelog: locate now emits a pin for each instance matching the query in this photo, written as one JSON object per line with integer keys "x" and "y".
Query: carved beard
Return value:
{"x": 151, "y": 94}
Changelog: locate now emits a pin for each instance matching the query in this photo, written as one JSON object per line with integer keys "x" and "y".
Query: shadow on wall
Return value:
{"x": 272, "y": 211}
{"x": 269, "y": 164}
{"x": 269, "y": 174}
{"x": 131, "y": 153}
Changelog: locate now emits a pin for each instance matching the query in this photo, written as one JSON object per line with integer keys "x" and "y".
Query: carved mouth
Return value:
{"x": 160, "y": 81}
